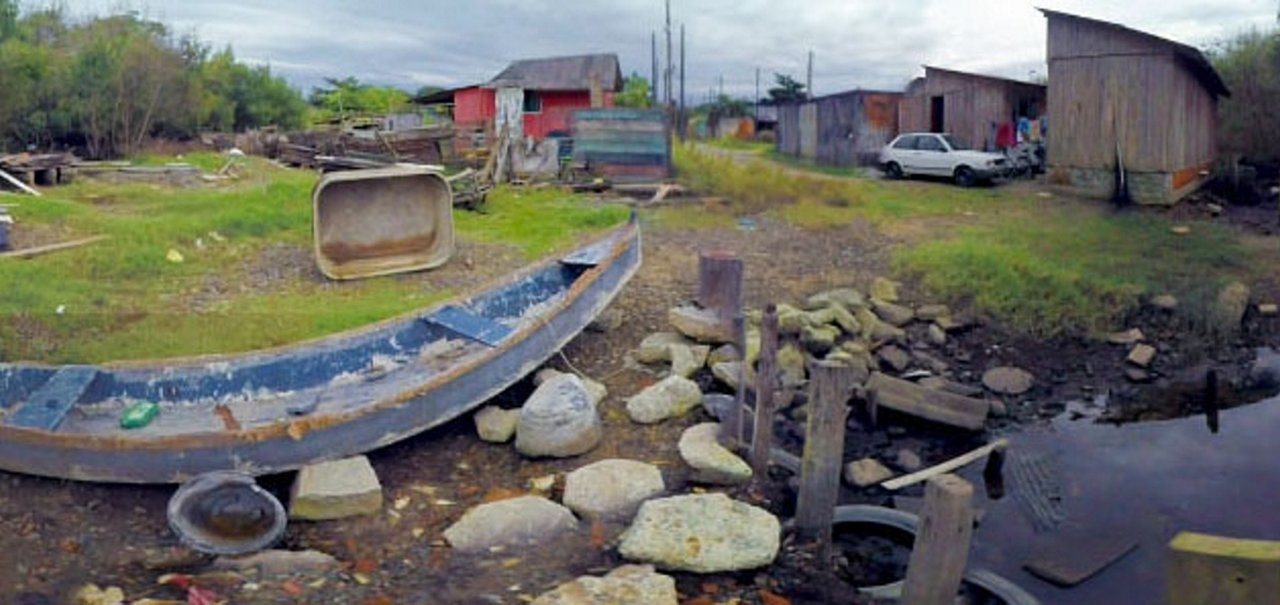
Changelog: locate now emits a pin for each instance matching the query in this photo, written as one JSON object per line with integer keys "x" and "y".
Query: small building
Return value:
{"x": 537, "y": 97}
{"x": 843, "y": 129}
{"x": 1128, "y": 101}
{"x": 975, "y": 108}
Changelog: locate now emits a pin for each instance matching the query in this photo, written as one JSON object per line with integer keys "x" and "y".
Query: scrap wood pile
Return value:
{"x": 23, "y": 170}
{"x": 430, "y": 146}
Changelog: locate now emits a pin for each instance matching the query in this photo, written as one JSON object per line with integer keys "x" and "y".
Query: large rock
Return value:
{"x": 654, "y": 347}
{"x": 792, "y": 320}
{"x": 597, "y": 389}
{"x": 702, "y": 533}
{"x": 335, "y": 489}
{"x": 702, "y": 325}
{"x": 1233, "y": 301}
{"x": 686, "y": 359}
{"x": 722, "y": 354}
{"x": 1008, "y": 381}
{"x": 523, "y": 521}
{"x": 626, "y": 585}
{"x": 712, "y": 463}
{"x": 845, "y": 297}
{"x": 820, "y": 339}
{"x": 873, "y": 328}
{"x": 672, "y": 396}
{"x": 892, "y": 314}
{"x": 278, "y": 562}
{"x": 1265, "y": 372}
{"x": 495, "y": 424}
{"x": 559, "y": 420}
{"x": 729, "y": 373}
{"x": 611, "y": 489}
{"x": 884, "y": 289}
{"x": 893, "y": 358}
{"x": 844, "y": 318}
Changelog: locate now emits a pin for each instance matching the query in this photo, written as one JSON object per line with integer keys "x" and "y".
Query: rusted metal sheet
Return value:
{"x": 382, "y": 221}
{"x": 316, "y": 401}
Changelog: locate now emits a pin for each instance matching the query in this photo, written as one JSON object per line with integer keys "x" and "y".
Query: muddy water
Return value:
{"x": 1145, "y": 481}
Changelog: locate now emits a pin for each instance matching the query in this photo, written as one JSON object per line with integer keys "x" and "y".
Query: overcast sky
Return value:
{"x": 857, "y": 43}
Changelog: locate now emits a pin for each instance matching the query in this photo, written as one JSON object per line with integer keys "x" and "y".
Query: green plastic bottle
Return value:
{"x": 139, "y": 415}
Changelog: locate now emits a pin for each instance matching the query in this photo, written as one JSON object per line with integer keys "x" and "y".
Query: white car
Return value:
{"x": 927, "y": 153}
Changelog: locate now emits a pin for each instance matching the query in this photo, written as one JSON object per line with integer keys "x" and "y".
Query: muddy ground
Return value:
{"x": 57, "y": 535}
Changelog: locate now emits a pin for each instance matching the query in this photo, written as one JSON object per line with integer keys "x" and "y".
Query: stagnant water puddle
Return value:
{"x": 1070, "y": 482}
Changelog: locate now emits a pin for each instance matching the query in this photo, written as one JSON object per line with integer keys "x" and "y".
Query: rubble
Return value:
{"x": 1141, "y": 355}
{"x": 884, "y": 289}
{"x": 524, "y": 521}
{"x": 671, "y": 397}
{"x": 866, "y": 472}
{"x": 626, "y": 585}
{"x": 702, "y": 325}
{"x": 612, "y": 488}
{"x": 893, "y": 314}
{"x": 702, "y": 533}
{"x": 496, "y": 425}
{"x": 655, "y": 347}
{"x": 712, "y": 463}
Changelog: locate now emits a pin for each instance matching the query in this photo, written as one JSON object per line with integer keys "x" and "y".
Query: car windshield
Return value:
{"x": 954, "y": 143}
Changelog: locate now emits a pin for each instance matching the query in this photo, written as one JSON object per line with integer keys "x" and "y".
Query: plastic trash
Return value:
{"x": 139, "y": 415}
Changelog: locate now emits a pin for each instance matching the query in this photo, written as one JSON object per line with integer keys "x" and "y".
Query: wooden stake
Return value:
{"x": 766, "y": 388}
{"x": 941, "y": 549}
{"x": 720, "y": 284}
{"x": 731, "y": 430}
{"x": 40, "y": 250}
{"x": 829, "y": 387}
{"x": 19, "y": 184}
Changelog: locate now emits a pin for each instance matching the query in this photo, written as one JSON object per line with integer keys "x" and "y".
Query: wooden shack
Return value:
{"x": 843, "y": 129}
{"x": 623, "y": 144}
{"x": 1125, "y": 98}
{"x": 970, "y": 106}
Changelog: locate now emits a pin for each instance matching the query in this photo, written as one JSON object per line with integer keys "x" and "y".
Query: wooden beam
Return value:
{"x": 939, "y": 406}
{"x": 731, "y": 429}
{"x": 41, "y": 250}
{"x": 829, "y": 388}
{"x": 720, "y": 284}
{"x": 766, "y": 387}
{"x": 945, "y": 467}
{"x": 941, "y": 549}
{"x": 19, "y": 184}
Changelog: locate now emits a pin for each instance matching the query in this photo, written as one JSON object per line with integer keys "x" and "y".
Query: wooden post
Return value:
{"x": 830, "y": 385}
{"x": 941, "y": 548}
{"x": 720, "y": 284}
{"x": 731, "y": 430}
{"x": 766, "y": 390}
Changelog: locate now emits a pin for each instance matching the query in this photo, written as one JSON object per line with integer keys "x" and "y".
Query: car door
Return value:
{"x": 904, "y": 151}
{"x": 932, "y": 157}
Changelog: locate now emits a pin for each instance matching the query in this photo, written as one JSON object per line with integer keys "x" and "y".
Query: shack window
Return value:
{"x": 532, "y": 102}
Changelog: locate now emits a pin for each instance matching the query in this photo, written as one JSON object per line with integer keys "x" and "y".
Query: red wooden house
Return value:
{"x": 537, "y": 97}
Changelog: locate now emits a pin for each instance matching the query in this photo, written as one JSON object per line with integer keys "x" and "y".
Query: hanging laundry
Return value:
{"x": 1005, "y": 137}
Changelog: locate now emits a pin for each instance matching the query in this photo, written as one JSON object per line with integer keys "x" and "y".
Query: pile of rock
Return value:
{"x": 560, "y": 419}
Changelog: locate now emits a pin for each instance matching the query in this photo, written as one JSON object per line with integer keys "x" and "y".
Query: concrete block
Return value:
{"x": 336, "y": 489}
{"x": 1214, "y": 570}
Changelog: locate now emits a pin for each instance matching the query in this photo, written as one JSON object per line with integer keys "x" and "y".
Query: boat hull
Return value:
{"x": 292, "y": 442}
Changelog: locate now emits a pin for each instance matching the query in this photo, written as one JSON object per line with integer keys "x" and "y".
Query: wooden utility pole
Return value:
{"x": 830, "y": 385}
{"x": 681, "y": 114}
{"x": 720, "y": 284}
{"x": 808, "y": 86}
{"x": 667, "y": 77}
{"x": 653, "y": 82}
{"x": 766, "y": 393}
{"x": 941, "y": 549}
{"x": 757, "y": 99}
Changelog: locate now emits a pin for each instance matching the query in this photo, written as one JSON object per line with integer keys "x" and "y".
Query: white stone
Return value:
{"x": 335, "y": 489}
{"x": 559, "y": 420}
{"x": 908, "y": 461}
{"x": 523, "y": 521}
{"x": 866, "y": 472}
{"x": 672, "y": 396}
{"x": 653, "y": 349}
{"x": 626, "y": 585}
{"x": 712, "y": 463}
{"x": 702, "y": 325}
{"x": 1008, "y": 380}
{"x": 611, "y": 488}
{"x": 495, "y": 424}
{"x": 702, "y": 533}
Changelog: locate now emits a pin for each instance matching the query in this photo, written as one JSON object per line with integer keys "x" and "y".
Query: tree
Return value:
{"x": 8, "y": 19}
{"x": 635, "y": 93}
{"x": 1249, "y": 124}
{"x": 788, "y": 89}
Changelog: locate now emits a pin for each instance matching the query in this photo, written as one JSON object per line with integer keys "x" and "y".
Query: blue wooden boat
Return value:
{"x": 280, "y": 409}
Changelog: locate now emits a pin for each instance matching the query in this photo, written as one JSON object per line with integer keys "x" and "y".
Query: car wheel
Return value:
{"x": 965, "y": 176}
{"x": 893, "y": 170}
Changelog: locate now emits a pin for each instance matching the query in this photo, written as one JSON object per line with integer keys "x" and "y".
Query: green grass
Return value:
{"x": 736, "y": 144}
{"x": 123, "y": 300}
{"x": 814, "y": 167}
{"x": 1066, "y": 270}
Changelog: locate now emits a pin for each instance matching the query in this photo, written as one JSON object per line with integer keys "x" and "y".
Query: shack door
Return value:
{"x": 937, "y": 114}
{"x": 510, "y": 113}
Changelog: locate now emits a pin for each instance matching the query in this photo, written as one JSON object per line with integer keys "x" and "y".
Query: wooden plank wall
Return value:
{"x": 973, "y": 103}
{"x": 787, "y": 130}
{"x": 629, "y": 144}
{"x": 840, "y": 130}
{"x": 1112, "y": 86}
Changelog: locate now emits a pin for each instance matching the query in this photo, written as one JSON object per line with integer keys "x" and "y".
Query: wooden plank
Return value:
{"x": 938, "y": 406}
{"x": 941, "y": 549}
{"x": 830, "y": 385}
{"x": 51, "y": 248}
{"x": 731, "y": 429}
{"x": 19, "y": 184}
{"x": 1216, "y": 570}
{"x": 49, "y": 404}
{"x": 1076, "y": 557}
{"x": 766, "y": 399}
{"x": 945, "y": 467}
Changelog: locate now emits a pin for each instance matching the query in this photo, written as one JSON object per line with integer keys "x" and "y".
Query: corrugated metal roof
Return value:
{"x": 1191, "y": 57}
{"x": 929, "y": 68}
{"x": 561, "y": 73}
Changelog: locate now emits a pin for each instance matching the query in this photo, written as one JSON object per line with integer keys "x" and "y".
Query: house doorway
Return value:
{"x": 937, "y": 114}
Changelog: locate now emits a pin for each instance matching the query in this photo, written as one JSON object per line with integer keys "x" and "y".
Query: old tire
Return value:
{"x": 893, "y": 170}
{"x": 965, "y": 176}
